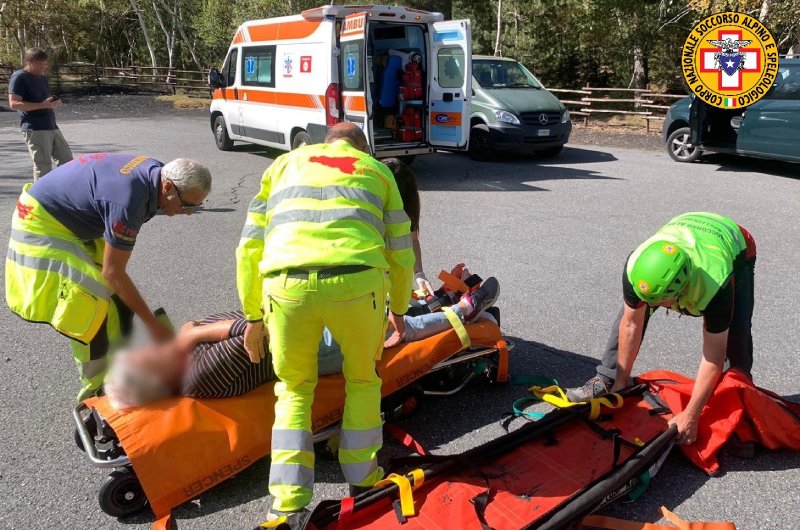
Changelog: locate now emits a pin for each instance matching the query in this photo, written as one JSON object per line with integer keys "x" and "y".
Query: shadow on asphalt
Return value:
{"x": 745, "y": 164}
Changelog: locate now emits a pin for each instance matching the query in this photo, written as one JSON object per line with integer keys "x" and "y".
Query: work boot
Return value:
{"x": 482, "y": 298}
{"x": 597, "y": 386}
{"x": 284, "y": 520}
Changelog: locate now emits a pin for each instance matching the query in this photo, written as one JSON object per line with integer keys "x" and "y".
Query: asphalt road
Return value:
{"x": 555, "y": 233}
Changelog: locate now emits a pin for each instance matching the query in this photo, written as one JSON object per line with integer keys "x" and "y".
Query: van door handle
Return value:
{"x": 447, "y": 96}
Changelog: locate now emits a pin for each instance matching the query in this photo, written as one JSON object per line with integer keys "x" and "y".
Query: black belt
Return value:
{"x": 323, "y": 274}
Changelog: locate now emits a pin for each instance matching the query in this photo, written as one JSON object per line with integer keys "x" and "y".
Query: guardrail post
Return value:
{"x": 97, "y": 77}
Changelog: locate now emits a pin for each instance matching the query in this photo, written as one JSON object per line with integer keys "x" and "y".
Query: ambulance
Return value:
{"x": 403, "y": 75}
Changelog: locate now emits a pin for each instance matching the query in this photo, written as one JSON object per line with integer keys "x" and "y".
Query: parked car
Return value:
{"x": 769, "y": 128}
{"x": 402, "y": 75}
{"x": 511, "y": 110}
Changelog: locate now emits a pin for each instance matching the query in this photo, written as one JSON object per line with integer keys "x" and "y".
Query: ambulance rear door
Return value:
{"x": 450, "y": 82}
{"x": 353, "y": 72}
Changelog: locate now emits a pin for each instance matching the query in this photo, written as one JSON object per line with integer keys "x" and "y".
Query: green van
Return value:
{"x": 511, "y": 110}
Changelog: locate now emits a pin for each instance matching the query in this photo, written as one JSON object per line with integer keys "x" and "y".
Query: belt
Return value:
{"x": 322, "y": 274}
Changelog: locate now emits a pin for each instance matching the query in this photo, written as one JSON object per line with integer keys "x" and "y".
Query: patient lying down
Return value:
{"x": 207, "y": 358}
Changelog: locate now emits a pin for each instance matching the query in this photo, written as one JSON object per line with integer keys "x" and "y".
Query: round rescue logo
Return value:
{"x": 730, "y": 60}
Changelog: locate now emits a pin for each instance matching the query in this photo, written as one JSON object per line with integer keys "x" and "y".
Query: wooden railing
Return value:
{"x": 86, "y": 76}
{"x": 588, "y": 101}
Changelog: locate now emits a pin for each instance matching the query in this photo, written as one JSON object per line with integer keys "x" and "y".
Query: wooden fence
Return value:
{"x": 591, "y": 101}
{"x": 91, "y": 77}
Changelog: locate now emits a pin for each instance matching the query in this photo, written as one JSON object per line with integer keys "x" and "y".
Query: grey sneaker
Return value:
{"x": 285, "y": 520}
{"x": 595, "y": 387}
{"x": 483, "y": 298}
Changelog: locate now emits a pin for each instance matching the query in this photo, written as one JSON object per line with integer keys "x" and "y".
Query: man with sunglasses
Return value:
{"x": 698, "y": 264}
{"x": 72, "y": 236}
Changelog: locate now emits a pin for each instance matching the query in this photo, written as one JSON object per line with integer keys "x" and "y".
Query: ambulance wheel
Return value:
{"x": 223, "y": 141}
{"x": 300, "y": 139}
{"x": 121, "y": 494}
{"x": 480, "y": 143}
{"x": 679, "y": 146}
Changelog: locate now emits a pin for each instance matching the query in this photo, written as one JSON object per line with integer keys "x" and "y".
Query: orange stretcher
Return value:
{"x": 169, "y": 452}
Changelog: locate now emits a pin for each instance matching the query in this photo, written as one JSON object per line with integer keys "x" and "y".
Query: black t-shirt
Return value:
{"x": 32, "y": 89}
{"x": 717, "y": 315}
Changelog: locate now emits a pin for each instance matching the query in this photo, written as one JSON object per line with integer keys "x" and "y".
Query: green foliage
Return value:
{"x": 567, "y": 43}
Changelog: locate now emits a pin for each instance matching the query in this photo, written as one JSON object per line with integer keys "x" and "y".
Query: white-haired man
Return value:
{"x": 71, "y": 238}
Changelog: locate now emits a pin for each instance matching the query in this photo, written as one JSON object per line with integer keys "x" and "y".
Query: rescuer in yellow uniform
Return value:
{"x": 326, "y": 240}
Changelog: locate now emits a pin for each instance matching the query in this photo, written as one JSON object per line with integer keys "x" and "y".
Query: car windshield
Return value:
{"x": 493, "y": 73}
{"x": 787, "y": 83}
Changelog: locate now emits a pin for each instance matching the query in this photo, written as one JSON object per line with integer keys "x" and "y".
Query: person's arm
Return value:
{"x": 399, "y": 250}
{"x": 115, "y": 263}
{"x": 191, "y": 336}
{"x": 714, "y": 353}
{"x": 15, "y": 103}
{"x": 248, "y": 256}
{"x": 420, "y": 280}
{"x": 631, "y": 328}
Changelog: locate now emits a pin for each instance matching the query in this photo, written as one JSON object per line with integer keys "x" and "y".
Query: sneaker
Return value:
{"x": 482, "y": 298}
{"x": 285, "y": 520}
{"x": 595, "y": 387}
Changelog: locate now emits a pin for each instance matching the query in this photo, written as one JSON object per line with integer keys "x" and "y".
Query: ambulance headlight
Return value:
{"x": 506, "y": 117}
{"x": 565, "y": 117}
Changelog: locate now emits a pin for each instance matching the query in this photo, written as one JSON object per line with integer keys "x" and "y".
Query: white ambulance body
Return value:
{"x": 286, "y": 80}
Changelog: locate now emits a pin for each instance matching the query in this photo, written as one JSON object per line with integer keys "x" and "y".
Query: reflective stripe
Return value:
{"x": 325, "y": 193}
{"x": 253, "y": 232}
{"x": 39, "y": 240}
{"x": 400, "y": 242}
{"x": 325, "y": 216}
{"x": 291, "y": 440}
{"x": 291, "y": 475}
{"x": 361, "y": 439}
{"x": 395, "y": 216}
{"x": 257, "y": 206}
{"x": 358, "y": 473}
{"x": 57, "y": 266}
{"x": 91, "y": 369}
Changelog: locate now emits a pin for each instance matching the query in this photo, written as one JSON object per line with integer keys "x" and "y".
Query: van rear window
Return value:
{"x": 258, "y": 66}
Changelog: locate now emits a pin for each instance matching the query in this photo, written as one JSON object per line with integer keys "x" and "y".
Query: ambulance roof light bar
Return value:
{"x": 405, "y": 14}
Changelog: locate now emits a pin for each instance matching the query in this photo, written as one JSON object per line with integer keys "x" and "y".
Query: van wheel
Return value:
{"x": 300, "y": 139}
{"x": 223, "y": 141}
{"x": 480, "y": 143}
{"x": 679, "y": 146}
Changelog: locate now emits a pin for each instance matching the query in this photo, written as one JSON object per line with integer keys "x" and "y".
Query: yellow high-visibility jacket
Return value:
{"x": 325, "y": 205}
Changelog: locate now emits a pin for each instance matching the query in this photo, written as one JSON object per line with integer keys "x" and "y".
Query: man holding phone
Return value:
{"x": 29, "y": 95}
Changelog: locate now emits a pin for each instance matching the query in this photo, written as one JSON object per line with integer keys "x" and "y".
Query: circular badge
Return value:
{"x": 730, "y": 60}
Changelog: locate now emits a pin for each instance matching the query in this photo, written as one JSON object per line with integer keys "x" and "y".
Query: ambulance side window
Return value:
{"x": 229, "y": 68}
{"x": 258, "y": 66}
{"x": 451, "y": 63}
{"x": 352, "y": 53}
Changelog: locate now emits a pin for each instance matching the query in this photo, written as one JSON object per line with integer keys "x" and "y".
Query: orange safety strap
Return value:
{"x": 612, "y": 523}
{"x": 163, "y": 523}
{"x": 453, "y": 283}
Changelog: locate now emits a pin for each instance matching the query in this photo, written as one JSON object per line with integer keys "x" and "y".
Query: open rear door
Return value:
{"x": 450, "y": 84}
{"x": 353, "y": 71}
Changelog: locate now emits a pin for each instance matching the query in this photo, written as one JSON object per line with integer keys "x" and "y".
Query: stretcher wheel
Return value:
{"x": 121, "y": 494}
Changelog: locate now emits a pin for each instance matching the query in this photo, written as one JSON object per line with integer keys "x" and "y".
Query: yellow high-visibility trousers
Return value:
{"x": 353, "y": 307}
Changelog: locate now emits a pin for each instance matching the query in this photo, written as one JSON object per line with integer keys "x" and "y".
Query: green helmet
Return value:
{"x": 660, "y": 272}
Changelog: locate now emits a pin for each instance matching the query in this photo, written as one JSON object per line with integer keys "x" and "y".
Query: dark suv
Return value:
{"x": 769, "y": 128}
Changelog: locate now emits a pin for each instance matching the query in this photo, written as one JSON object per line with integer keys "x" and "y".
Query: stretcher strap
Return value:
{"x": 556, "y": 396}
{"x": 612, "y": 523}
{"x": 458, "y": 326}
{"x": 403, "y": 436}
{"x": 275, "y": 523}
{"x": 163, "y": 523}
{"x": 346, "y": 508}
{"x": 405, "y": 488}
{"x": 453, "y": 283}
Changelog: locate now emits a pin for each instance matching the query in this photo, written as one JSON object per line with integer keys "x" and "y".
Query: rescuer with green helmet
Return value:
{"x": 699, "y": 264}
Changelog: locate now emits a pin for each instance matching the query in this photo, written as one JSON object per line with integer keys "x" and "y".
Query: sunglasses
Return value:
{"x": 185, "y": 205}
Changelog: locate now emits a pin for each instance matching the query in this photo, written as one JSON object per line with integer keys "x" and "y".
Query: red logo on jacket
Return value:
{"x": 123, "y": 232}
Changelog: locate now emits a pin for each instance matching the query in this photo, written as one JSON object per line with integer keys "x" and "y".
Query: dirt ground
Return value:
{"x": 611, "y": 133}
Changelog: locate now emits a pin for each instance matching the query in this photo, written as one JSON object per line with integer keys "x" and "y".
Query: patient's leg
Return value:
{"x": 424, "y": 326}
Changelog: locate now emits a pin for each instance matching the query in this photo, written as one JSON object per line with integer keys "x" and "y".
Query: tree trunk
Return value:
{"x": 766, "y": 5}
{"x": 499, "y": 28}
{"x": 639, "y": 77}
{"x": 145, "y": 34}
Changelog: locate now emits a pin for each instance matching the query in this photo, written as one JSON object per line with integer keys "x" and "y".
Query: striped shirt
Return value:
{"x": 223, "y": 369}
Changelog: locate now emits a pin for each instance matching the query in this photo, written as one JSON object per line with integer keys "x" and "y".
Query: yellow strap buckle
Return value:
{"x": 405, "y": 488}
{"x": 556, "y": 396}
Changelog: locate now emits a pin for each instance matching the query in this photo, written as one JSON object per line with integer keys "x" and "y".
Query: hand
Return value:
{"x": 399, "y": 325}
{"x": 160, "y": 332}
{"x": 687, "y": 428}
{"x": 422, "y": 283}
{"x": 254, "y": 335}
{"x": 53, "y": 103}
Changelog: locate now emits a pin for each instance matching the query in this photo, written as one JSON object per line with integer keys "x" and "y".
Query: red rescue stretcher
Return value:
{"x": 166, "y": 453}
